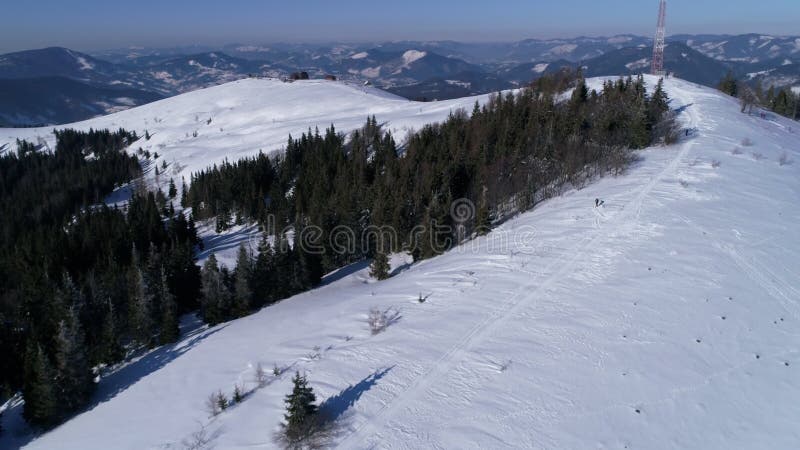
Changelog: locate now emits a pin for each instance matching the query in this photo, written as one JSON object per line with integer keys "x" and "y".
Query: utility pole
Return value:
{"x": 660, "y": 41}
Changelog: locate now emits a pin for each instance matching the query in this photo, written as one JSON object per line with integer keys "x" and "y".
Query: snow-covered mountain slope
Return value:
{"x": 668, "y": 318}
{"x": 197, "y": 129}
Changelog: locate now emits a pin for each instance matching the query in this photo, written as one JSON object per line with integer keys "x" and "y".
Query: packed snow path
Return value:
{"x": 524, "y": 297}
{"x": 668, "y": 318}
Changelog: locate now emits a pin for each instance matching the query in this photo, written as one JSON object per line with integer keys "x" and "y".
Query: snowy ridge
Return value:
{"x": 668, "y": 318}
{"x": 241, "y": 118}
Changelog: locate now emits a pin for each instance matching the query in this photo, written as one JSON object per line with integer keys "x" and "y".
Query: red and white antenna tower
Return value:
{"x": 660, "y": 41}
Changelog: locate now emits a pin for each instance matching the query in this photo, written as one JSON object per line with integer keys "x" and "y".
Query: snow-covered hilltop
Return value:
{"x": 196, "y": 130}
{"x": 667, "y": 318}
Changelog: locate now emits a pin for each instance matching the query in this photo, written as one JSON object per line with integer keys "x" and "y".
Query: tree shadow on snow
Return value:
{"x": 216, "y": 243}
{"x": 679, "y": 110}
{"x": 128, "y": 375}
{"x": 113, "y": 383}
{"x": 335, "y": 407}
{"x": 343, "y": 272}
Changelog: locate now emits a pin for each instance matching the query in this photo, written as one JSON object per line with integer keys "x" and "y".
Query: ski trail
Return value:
{"x": 769, "y": 282}
{"x": 522, "y": 298}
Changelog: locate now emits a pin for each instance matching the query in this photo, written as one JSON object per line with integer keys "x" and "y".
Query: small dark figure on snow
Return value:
{"x": 596, "y": 202}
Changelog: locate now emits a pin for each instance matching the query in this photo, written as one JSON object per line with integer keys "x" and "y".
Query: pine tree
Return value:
{"x": 109, "y": 337}
{"x": 379, "y": 269}
{"x": 729, "y": 85}
{"x": 38, "y": 390}
{"x": 222, "y": 401}
{"x": 223, "y": 221}
{"x": 140, "y": 305}
{"x": 243, "y": 278}
{"x": 483, "y": 220}
{"x": 658, "y": 101}
{"x": 263, "y": 273}
{"x": 215, "y": 295}
{"x": 173, "y": 190}
{"x": 185, "y": 195}
{"x": 301, "y": 409}
{"x": 169, "y": 311}
{"x": 73, "y": 372}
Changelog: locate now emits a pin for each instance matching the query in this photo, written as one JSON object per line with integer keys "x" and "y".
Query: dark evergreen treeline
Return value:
{"x": 504, "y": 156}
{"x": 780, "y": 101}
{"x": 82, "y": 285}
{"x": 783, "y": 102}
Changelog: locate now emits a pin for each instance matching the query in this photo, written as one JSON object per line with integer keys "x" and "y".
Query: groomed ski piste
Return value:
{"x": 667, "y": 318}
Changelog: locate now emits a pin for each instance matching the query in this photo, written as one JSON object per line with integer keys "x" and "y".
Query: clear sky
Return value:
{"x": 101, "y": 24}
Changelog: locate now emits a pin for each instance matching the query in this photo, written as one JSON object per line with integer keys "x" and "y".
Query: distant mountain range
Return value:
{"x": 57, "y": 85}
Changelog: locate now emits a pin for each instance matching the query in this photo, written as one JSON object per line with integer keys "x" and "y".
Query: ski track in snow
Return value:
{"x": 522, "y": 298}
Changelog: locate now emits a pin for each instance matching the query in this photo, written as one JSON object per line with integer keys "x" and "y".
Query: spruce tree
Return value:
{"x": 243, "y": 278}
{"x": 223, "y": 221}
{"x": 263, "y": 273}
{"x": 483, "y": 220}
{"x": 73, "y": 372}
{"x": 379, "y": 269}
{"x": 185, "y": 195}
{"x": 301, "y": 409}
{"x": 112, "y": 350}
{"x": 222, "y": 401}
{"x": 169, "y": 331}
{"x": 173, "y": 190}
{"x": 38, "y": 389}
{"x": 729, "y": 85}
{"x": 214, "y": 293}
{"x": 140, "y": 305}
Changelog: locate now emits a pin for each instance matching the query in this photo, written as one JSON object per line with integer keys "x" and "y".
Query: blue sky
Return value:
{"x": 99, "y": 24}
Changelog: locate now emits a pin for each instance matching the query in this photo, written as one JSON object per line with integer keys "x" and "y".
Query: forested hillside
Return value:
{"x": 83, "y": 285}
{"x": 86, "y": 285}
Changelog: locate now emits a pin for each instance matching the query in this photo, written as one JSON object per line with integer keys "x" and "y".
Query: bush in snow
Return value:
{"x": 212, "y": 408}
{"x": 380, "y": 320}
{"x": 746, "y": 142}
{"x": 784, "y": 159}
{"x": 377, "y": 320}
{"x": 260, "y": 375}
{"x": 216, "y": 403}
{"x": 238, "y": 394}
{"x": 198, "y": 440}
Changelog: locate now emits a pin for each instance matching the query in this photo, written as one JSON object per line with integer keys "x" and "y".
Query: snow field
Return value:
{"x": 668, "y": 318}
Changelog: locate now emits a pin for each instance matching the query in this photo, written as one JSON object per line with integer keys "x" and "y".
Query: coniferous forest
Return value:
{"x": 84, "y": 285}
{"x": 504, "y": 156}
